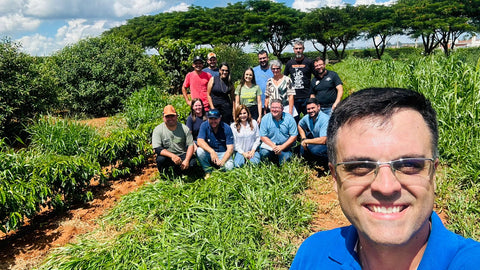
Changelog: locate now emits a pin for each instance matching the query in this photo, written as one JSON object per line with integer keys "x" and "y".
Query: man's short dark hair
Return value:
{"x": 379, "y": 102}
{"x": 312, "y": 100}
{"x": 262, "y": 52}
{"x": 319, "y": 58}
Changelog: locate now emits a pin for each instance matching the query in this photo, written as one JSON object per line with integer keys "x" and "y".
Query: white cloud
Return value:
{"x": 129, "y": 8}
{"x": 374, "y": 2}
{"x": 17, "y": 22}
{"x": 180, "y": 7}
{"x": 78, "y": 29}
{"x": 305, "y": 5}
{"x": 62, "y": 9}
{"x": 38, "y": 45}
{"x": 71, "y": 33}
{"x": 10, "y": 6}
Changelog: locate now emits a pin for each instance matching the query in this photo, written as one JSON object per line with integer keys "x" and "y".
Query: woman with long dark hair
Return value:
{"x": 220, "y": 93}
{"x": 249, "y": 94}
{"x": 197, "y": 117}
{"x": 246, "y": 136}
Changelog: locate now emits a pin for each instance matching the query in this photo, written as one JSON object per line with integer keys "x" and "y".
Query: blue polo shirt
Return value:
{"x": 278, "y": 131}
{"x": 218, "y": 141}
{"x": 261, "y": 78}
{"x": 315, "y": 129}
{"x": 335, "y": 249}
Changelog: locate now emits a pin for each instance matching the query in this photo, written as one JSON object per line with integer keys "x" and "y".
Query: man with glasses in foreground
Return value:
{"x": 382, "y": 149}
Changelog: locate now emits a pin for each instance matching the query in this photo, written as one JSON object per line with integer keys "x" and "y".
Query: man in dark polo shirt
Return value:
{"x": 215, "y": 144}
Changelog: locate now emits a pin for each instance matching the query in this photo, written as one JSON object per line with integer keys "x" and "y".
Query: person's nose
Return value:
{"x": 385, "y": 181}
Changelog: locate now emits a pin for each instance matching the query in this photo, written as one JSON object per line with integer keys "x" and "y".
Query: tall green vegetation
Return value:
{"x": 243, "y": 219}
{"x": 96, "y": 75}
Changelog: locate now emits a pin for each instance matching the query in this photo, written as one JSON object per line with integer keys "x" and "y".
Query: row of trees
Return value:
{"x": 435, "y": 22}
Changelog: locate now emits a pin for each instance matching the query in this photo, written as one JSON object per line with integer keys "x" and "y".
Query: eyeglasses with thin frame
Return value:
{"x": 404, "y": 169}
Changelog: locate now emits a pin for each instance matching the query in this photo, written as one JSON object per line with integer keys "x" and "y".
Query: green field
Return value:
{"x": 249, "y": 218}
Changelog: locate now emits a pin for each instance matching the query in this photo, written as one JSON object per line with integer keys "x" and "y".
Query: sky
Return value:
{"x": 43, "y": 27}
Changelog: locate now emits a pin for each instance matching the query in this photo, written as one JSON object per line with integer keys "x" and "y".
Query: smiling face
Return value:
{"x": 313, "y": 109}
{"x": 248, "y": 75}
{"x": 386, "y": 211}
{"x": 214, "y": 122}
{"x": 243, "y": 115}
{"x": 276, "y": 70}
{"x": 263, "y": 60}
{"x": 197, "y": 108}
{"x": 197, "y": 65}
{"x": 212, "y": 62}
{"x": 170, "y": 120}
{"x": 276, "y": 109}
{"x": 224, "y": 71}
{"x": 319, "y": 66}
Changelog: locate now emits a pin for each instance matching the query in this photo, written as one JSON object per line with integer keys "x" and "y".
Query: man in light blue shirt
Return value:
{"x": 312, "y": 130}
{"x": 382, "y": 149}
{"x": 262, "y": 73}
{"x": 278, "y": 133}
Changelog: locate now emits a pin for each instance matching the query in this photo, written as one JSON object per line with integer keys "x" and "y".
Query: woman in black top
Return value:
{"x": 220, "y": 93}
{"x": 196, "y": 118}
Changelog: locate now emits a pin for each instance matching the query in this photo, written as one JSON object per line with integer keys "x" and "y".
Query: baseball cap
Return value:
{"x": 210, "y": 55}
{"x": 197, "y": 58}
{"x": 213, "y": 113}
{"x": 169, "y": 110}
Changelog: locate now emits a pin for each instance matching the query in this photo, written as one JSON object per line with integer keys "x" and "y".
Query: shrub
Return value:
{"x": 145, "y": 107}
{"x": 98, "y": 74}
{"x": 27, "y": 87}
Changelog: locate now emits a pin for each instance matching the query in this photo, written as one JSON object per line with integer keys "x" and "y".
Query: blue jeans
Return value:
{"x": 266, "y": 154}
{"x": 326, "y": 110}
{"x": 206, "y": 162}
{"x": 239, "y": 159}
{"x": 314, "y": 151}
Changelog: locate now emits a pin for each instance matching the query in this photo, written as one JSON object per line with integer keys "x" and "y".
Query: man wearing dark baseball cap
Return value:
{"x": 215, "y": 144}
{"x": 196, "y": 81}
{"x": 173, "y": 144}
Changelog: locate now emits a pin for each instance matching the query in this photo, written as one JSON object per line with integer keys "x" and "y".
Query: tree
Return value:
{"x": 334, "y": 27}
{"x": 98, "y": 74}
{"x": 314, "y": 28}
{"x": 381, "y": 23}
{"x": 227, "y": 24}
{"x": 454, "y": 23}
{"x": 272, "y": 23}
{"x": 174, "y": 61}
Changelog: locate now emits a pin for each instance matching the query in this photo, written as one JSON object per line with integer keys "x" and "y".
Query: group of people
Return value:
{"x": 382, "y": 147}
{"x": 264, "y": 109}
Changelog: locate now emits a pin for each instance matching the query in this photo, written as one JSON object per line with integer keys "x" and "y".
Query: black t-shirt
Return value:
{"x": 325, "y": 89}
{"x": 301, "y": 74}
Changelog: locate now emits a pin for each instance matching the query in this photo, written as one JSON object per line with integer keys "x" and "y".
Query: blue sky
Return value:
{"x": 45, "y": 26}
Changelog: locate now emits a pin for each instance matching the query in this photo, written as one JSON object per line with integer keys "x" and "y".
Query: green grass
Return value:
{"x": 242, "y": 219}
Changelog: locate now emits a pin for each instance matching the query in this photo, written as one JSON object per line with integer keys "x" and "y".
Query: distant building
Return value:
{"x": 473, "y": 42}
